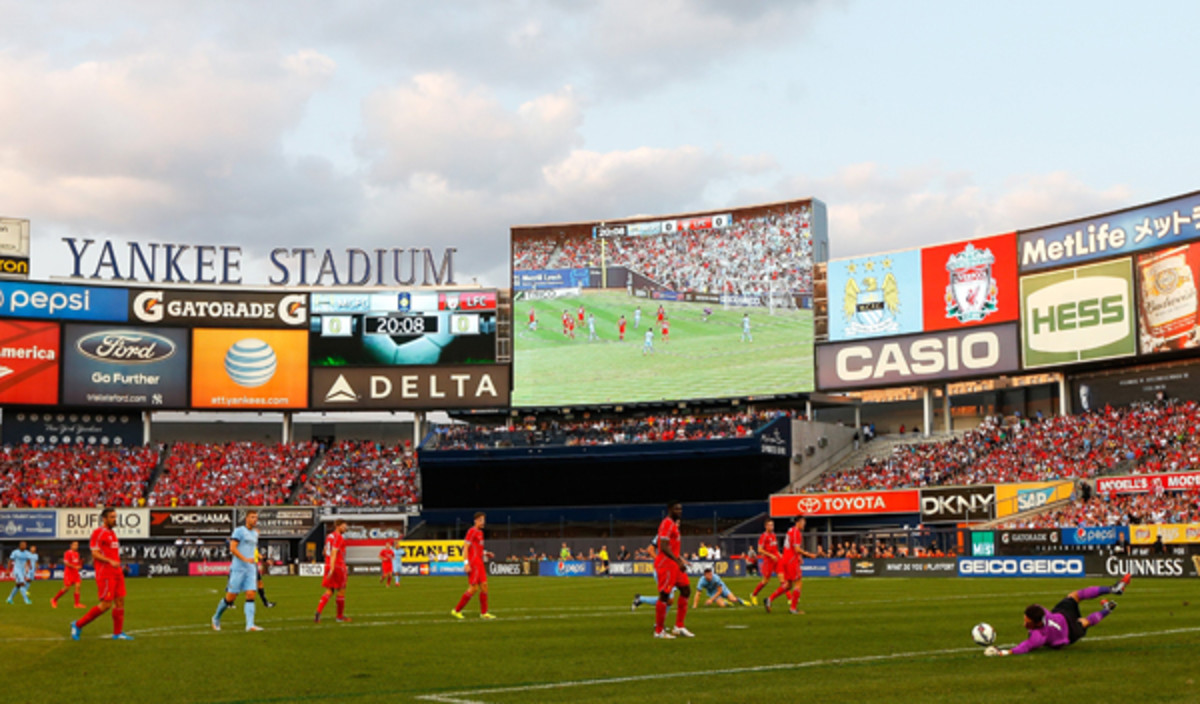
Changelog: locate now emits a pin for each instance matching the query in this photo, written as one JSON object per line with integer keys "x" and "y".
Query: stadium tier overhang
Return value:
{"x": 800, "y": 401}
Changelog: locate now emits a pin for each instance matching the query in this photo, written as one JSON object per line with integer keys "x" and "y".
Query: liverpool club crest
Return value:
{"x": 971, "y": 292}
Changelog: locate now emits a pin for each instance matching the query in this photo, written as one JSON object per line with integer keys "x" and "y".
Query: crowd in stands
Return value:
{"x": 236, "y": 473}
{"x": 1144, "y": 437}
{"x": 757, "y": 255}
{"x": 364, "y": 473}
{"x": 74, "y": 475}
{"x": 665, "y": 428}
{"x": 1119, "y": 510}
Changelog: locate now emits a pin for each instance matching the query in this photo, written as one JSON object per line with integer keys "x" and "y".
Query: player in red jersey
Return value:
{"x": 566, "y": 320}
{"x": 662, "y": 312}
{"x": 532, "y": 319}
{"x": 581, "y": 314}
{"x": 476, "y": 569}
{"x": 790, "y": 567}
{"x": 110, "y": 577}
{"x": 768, "y": 551}
{"x": 385, "y": 559}
{"x": 666, "y": 329}
{"x": 335, "y": 571}
{"x": 671, "y": 572}
{"x": 621, "y": 327}
{"x": 71, "y": 566}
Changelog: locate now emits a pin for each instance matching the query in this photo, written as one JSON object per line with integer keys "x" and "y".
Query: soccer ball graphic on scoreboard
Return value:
{"x": 983, "y": 634}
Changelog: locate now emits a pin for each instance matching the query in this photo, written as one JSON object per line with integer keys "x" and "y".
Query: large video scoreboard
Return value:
{"x": 180, "y": 349}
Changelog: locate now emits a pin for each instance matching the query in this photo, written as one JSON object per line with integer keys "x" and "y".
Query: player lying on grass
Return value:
{"x": 1063, "y": 625}
{"x": 716, "y": 590}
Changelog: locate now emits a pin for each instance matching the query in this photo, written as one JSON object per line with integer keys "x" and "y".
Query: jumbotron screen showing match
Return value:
{"x": 701, "y": 305}
{"x": 402, "y": 328}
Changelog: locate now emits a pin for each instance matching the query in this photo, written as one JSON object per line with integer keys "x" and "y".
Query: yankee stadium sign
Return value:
{"x": 172, "y": 263}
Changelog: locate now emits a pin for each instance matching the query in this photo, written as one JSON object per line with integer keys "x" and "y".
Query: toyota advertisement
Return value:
{"x": 125, "y": 366}
{"x": 846, "y": 503}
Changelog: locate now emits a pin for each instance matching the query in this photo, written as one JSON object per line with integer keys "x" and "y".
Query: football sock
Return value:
{"x": 262, "y": 594}
{"x": 648, "y": 600}
{"x": 483, "y": 599}
{"x": 60, "y": 593}
{"x": 25, "y": 592}
{"x": 660, "y": 615}
{"x": 463, "y": 601}
{"x": 77, "y": 602}
{"x": 118, "y": 621}
{"x": 758, "y": 588}
{"x": 777, "y": 593}
{"x": 794, "y": 599}
{"x": 89, "y": 616}
{"x": 1093, "y": 592}
{"x": 248, "y": 607}
{"x": 321, "y": 604}
{"x": 1097, "y": 617}
{"x": 341, "y": 606}
{"x": 221, "y": 606}
{"x": 15, "y": 590}
{"x": 681, "y": 611}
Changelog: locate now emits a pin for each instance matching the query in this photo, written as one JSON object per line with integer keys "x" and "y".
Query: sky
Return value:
{"x": 377, "y": 123}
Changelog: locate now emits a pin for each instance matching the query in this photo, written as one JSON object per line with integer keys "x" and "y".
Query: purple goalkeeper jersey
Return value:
{"x": 1054, "y": 633}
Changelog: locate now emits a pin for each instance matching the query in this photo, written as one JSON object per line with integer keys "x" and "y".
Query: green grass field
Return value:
{"x": 703, "y": 359}
{"x": 576, "y": 640}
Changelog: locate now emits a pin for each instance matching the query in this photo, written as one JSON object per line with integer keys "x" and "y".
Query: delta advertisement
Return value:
{"x": 259, "y": 369}
{"x": 968, "y": 283}
{"x": 875, "y": 296}
{"x": 29, "y": 359}
{"x": 125, "y": 366}
{"x": 1082, "y": 314}
{"x": 1167, "y": 222}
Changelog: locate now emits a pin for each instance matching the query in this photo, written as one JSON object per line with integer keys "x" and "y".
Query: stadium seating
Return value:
{"x": 363, "y": 474}
{"x": 237, "y": 473}
{"x": 72, "y": 475}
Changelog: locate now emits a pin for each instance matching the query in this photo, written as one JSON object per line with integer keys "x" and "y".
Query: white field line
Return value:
{"x": 469, "y": 696}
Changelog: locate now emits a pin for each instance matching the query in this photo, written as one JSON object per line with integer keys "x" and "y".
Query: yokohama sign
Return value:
{"x": 1143, "y": 483}
{"x": 846, "y": 504}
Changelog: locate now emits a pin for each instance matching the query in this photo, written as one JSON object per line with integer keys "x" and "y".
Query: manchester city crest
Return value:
{"x": 971, "y": 291}
{"x": 869, "y": 306}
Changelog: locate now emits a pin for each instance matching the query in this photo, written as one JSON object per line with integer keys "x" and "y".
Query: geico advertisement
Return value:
{"x": 1078, "y": 315}
{"x": 1168, "y": 532}
{"x": 1058, "y": 566}
{"x": 125, "y": 366}
{"x": 432, "y": 550}
{"x": 918, "y": 358}
{"x": 265, "y": 369}
{"x": 875, "y": 296}
{"x": 970, "y": 283}
{"x": 1015, "y": 498}
{"x": 28, "y": 363}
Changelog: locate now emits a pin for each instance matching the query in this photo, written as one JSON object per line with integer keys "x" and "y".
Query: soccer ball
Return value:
{"x": 983, "y": 634}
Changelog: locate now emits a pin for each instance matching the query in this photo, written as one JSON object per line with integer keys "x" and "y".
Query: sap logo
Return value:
{"x": 1080, "y": 314}
{"x": 927, "y": 356}
{"x": 1033, "y": 498}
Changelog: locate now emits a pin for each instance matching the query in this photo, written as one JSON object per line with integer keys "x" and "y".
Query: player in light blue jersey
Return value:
{"x": 20, "y": 566}
{"x": 648, "y": 344}
{"x": 746, "y": 336}
{"x": 716, "y": 590}
{"x": 397, "y": 559}
{"x": 243, "y": 572}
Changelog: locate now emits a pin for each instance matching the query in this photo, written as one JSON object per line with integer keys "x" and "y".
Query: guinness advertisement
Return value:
{"x": 191, "y": 522}
{"x": 125, "y": 366}
{"x": 958, "y": 504}
{"x": 219, "y": 309}
{"x": 914, "y": 359}
{"x": 411, "y": 388}
{"x": 1156, "y": 566}
{"x": 289, "y": 522}
{"x": 1025, "y": 542}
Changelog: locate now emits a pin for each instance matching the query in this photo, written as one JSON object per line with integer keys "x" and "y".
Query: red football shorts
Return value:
{"x": 766, "y": 567}
{"x": 789, "y": 570}
{"x": 110, "y": 585}
{"x": 387, "y": 567}
{"x": 335, "y": 578}
{"x": 476, "y": 573}
{"x": 71, "y": 578}
{"x": 670, "y": 576}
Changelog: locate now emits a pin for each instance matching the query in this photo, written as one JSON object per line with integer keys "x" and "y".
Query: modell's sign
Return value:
{"x": 917, "y": 358}
{"x": 846, "y": 504}
{"x": 1145, "y": 483}
{"x": 424, "y": 387}
{"x": 220, "y": 308}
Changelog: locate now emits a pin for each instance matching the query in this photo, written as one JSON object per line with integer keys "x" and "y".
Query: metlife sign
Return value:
{"x": 48, "y": 301}
{"x": 1076, "y": 315}
{"x": 1065, "y": 566}
{"x": 914, "y": 359}
{"x": 1167, "y": 222}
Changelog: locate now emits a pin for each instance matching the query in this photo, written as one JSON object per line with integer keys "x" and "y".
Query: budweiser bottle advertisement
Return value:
{"x": 1169, "y": 301}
